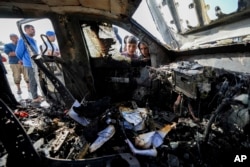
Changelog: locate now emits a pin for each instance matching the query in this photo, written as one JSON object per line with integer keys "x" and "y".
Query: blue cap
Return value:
{"x": 50, "y": 33}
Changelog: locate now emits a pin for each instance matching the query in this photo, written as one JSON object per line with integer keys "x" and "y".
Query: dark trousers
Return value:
{"x": 32, "y": 82}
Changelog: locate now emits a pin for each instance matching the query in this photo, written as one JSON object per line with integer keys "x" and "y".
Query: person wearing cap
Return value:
{"x": 16, "y": 65}
{"x": 51, "y": 46}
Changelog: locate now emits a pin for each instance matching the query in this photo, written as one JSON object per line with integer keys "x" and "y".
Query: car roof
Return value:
{"x": 108, "y": 8}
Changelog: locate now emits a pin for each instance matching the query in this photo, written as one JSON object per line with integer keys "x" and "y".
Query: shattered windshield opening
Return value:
{"x": 184, "y": 25}
{"x": 143, "y": 16}
{"x": 216, "y": 9}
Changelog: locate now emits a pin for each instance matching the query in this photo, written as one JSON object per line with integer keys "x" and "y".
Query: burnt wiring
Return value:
{"x": 226, "y": 94}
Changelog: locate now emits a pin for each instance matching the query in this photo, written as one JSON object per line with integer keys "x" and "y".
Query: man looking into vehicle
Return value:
{"x": 145, "y": 55}
{"x": 16, "y": 65}
{"x": 131, "y": 46}
{"x": 23, "y": 54}
{"x": 51, "y": 46}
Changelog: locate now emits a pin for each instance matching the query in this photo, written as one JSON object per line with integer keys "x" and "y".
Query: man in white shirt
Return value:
{"x": 52, "y": 50}
{"x": 52, "y": 37}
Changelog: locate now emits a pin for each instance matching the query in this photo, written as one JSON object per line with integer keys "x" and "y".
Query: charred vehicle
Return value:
{"x": 190, "y": 107}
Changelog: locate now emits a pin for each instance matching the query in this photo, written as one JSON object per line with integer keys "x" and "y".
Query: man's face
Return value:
{"x": 52, "y": 38}
{"x": 131, "y": 48}
{"x": 30, "y": 31}
{"x": 14, "y": 39}
{"x": 144, "y": 50}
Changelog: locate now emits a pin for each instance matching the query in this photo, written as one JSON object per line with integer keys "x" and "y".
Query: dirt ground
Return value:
{"x": 25, "y": 94}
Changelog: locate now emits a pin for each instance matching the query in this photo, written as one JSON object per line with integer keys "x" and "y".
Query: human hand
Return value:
{"x": 12, "y": 54}
{"x": 56, "y": 53}
{"x": 20, "y": 62}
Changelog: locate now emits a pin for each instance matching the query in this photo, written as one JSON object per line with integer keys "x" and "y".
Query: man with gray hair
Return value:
{"x": 16, "y": 65}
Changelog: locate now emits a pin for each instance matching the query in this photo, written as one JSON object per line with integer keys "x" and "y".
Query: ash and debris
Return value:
{"x": 199, "y": 116}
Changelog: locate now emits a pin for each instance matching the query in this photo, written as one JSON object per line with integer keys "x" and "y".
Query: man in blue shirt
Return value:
{"x": 16, "y": 64}
{"x": 23, "y": 54}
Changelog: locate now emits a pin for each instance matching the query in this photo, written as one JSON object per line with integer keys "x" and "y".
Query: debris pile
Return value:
{"x": 206, "y": 120}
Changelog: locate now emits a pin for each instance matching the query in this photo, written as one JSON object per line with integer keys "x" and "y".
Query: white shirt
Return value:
{"x": 56, "y": 51}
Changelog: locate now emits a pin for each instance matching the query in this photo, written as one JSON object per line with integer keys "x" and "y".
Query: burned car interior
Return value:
{"x": 190, "y": 107}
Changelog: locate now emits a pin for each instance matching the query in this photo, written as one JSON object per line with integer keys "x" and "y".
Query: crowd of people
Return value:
{"x": 21, "y": 62}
